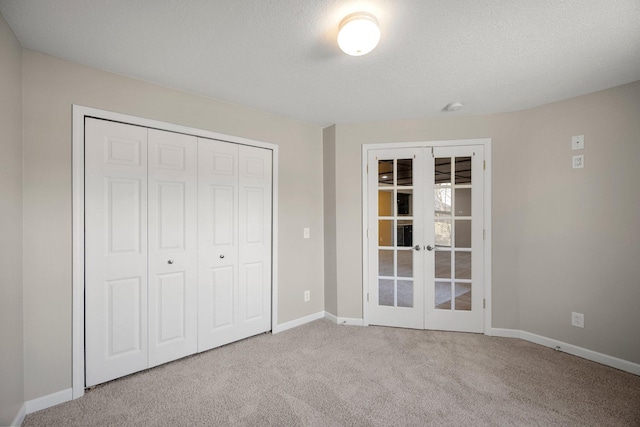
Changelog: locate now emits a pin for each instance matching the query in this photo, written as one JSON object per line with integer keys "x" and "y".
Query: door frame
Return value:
{"x": 77, "y": 166}
{"x": 486, "y": 200}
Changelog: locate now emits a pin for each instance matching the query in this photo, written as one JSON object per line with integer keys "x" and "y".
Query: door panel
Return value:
{"x": 172, "y": 246}
{"x": 396, "y": 293}
{"x": 115, "y": 250}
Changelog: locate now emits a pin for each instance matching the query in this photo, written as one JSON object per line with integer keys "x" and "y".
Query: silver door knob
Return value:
{"x": 221, "y": 256}
{"x": 416, "y": 247}
{"x": 430, "y": 248}
{"x": 170, "y": 261}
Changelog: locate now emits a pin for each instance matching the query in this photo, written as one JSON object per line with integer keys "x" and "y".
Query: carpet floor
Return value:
{"x": 323, "y": 374}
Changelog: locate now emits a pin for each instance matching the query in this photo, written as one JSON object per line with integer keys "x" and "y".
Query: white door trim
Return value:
{"x": 486, "y": 143}
{"x": 77, "y": 166}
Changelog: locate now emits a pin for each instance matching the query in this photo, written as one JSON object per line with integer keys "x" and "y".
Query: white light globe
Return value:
{"x": 359, "y": 34}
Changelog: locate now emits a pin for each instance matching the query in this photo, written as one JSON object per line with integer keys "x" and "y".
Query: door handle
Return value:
{"x": 430, "y": 248}
{"x": 417, "y": 248}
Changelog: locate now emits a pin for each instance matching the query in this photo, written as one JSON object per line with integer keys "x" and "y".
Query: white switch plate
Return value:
{"x": 307, "y": 296}
{"x": 306, "y": 233}
{"x": 577, "y": 319}
{"x": 578, "y": 161}
{"x": 577, "y": 142}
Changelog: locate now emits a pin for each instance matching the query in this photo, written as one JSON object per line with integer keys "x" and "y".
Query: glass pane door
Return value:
{"x": 396, "y": 202}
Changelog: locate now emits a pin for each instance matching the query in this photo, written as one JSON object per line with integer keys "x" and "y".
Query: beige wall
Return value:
{"x": 329, "y": 178}
{"x": 51, "y": 86}
{"x": 563, "y": 240}
{"x": 11, "y": 349}
{"x": 580, "y": 229}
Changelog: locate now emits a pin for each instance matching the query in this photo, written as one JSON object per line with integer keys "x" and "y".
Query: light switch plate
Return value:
{"x": 577, "y": 142}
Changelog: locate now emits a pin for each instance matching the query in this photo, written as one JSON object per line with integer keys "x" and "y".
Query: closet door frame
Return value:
{"x": 78, "y": 239}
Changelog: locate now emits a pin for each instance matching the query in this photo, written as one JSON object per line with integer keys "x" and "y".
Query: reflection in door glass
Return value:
{"x": 463, "y": 265}
{"x": 385, "y": 232}
{"x": 463, "y": 170}
{"x": 385, "y": 173}
{"x": 405, "y": 263}
{"x": 404, "y": 232}
{"x": 442, "y": 201}
{"x": 443, "y": 170}
{"x": 463, "y": 233}
{"x": 385, "y": 292}
{"x": 443, "y": 232}
{"x": 405, "y": 293}
{"x": 463, "y": 296}
{"x": 443, "y": 264}
{"x": 405, "y": 202}
{"x": 385, "y": 263}
{"x": 385, "y": 203}
{"x": 443, "y": 295}
{"x": 405, "y": 172}
{"x": 463, "y": 202}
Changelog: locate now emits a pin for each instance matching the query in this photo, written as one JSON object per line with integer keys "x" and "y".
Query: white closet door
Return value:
{"x": 254, "y": 261}
{"x": 217, "y": 243}
{"x": 234, "y": 242}
{"x": 115, "y": 250}
{"x": 172, "y": 209}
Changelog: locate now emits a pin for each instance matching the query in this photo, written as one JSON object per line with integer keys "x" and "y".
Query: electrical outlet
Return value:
{"x": 577, "y": 142}
{"x": 306, "y": 233}
{"x": 307, "y": 296}
{"x": 577, "y": 319}
{"x": 578, "y": 161}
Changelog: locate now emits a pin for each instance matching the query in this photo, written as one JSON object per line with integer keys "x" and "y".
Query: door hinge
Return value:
{"x": 367, "y": 233}
{"x": 484, "y": 164}
{"x": 367, "y": 168}
{"x": 484, "y": 234}
{"x": 484, "y": 303}
{"x": 367, "y": 296}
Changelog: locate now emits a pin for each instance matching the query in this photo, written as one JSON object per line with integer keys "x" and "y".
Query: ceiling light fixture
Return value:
{"x": 359, "y": 34}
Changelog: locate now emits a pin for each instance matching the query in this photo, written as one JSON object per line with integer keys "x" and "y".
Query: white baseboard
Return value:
{"x": 49, "y": 400}
{"x": 17, "y": 421}
{"x": 297, "y": 322}
{"x": 350, "y": 321}
{"x": 594, "y": 356}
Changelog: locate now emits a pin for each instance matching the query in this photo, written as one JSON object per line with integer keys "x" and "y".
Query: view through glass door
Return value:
{"x": 425, "y": 238}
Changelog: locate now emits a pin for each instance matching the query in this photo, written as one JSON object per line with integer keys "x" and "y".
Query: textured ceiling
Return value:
{"x": 281, "y": 55}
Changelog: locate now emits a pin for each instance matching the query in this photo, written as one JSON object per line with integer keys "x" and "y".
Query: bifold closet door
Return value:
{"x": 173, "y": 245}
{"x": 140, "y": 248}
{"x": 115, "y": 250}
{"x": 234, "y": 228}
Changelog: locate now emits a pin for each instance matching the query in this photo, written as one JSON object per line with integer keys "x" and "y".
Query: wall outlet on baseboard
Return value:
{"x": 577, "y": 319}
{"x": 307, "y": 296}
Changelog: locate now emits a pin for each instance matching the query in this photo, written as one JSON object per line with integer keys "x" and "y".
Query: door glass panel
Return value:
{"x": 405, "y": 172}
{"x": 405, "y": 202}
{"x": 443, "y": 295}
{"x": 443, "y": 264}
{"x": 463, "y": 296}
{"x": 404, "y": 232}
{"x": 443, "y": 171}
{"x": 385, "y": 232}
{"x": 385, "y": 263}
{"x": 463, "y": 265}
{"x": 442, "y": 201}
{"x": 405, "y": 263}
{"x": 385, "y": 292}
{"x": 463, "y": 233}
{"x": 385, "y": 173}
{"x": 405, "y": 293}
{"x": 385, "y": 203}
{"x": 443, "y": 232}
{"x": 463, "y": 202}
{"x": 463, "y": 170}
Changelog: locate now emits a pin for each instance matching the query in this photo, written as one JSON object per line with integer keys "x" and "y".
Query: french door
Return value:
{"x": 425, "y": 251}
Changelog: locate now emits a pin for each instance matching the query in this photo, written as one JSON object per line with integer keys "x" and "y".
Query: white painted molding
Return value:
{"x": 297, "y": 322}
{"x": 49, "y": 400}
{"x": 18, "y": 420}
{"x": 594, "y": 356}
{"x": 331, "y": 317}
{"x": 350, "y": 321}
